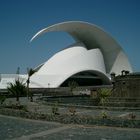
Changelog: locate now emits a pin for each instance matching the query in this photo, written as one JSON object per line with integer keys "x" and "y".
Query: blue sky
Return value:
{"x": 21, "y": 19}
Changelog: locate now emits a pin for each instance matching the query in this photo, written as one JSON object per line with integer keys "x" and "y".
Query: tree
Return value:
{"x": 72, "y": 85}
{"x": 30, "y": 73}
{"x": 17, "y": 89}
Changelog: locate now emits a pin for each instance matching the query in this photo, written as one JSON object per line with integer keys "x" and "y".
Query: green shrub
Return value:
{"x": 17, "y": 89}
{"x": 55, "y": 109}
{"x": 104, "y": 115}
{"x": 72, "y": 111}
{"x": 72, "y": 85}
{"x": 103, "y": 94}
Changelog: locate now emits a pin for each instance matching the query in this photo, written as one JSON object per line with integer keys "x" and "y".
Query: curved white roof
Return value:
{"x": 69, "y": 62}
{"x": 94, "y": 37}
{"x": 97, "y": 52}
{"x": 95, "y": 55}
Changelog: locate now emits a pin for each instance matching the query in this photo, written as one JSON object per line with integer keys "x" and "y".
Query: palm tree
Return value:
{"x": 30, "y": 73}
{"x": 18, "y": 88}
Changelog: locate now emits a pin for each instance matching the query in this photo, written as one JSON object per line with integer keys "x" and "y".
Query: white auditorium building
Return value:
{"x": 89, "y": 61}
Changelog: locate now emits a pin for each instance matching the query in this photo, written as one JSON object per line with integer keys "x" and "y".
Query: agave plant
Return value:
{"x": 17, "y": 89}
{"x": 103, "y": 94}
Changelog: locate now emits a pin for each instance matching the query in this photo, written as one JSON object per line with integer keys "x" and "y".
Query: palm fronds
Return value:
{"x": 17, "y": 89}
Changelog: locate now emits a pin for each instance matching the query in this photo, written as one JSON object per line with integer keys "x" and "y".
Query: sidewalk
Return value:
{"x": 13, "y": 128}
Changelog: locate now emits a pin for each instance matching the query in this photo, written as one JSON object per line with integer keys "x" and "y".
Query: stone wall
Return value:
{"x": 127, "y": 85}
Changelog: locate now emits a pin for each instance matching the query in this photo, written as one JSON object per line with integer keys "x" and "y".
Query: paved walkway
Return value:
{"x": 43, "y": 133}
{"x": 12, "y": 128}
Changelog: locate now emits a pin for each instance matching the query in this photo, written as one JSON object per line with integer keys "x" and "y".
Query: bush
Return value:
{"x": 103, "y": 94}
{"x": 104, "y": 115}
{"x": 55, "y": 109}
{"x": 17, "y": 89}
{"x": 72, "y": 111}
{"x": 72, "y": 85}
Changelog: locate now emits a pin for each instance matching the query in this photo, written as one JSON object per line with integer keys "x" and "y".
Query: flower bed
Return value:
{"x": 72, "y": 119}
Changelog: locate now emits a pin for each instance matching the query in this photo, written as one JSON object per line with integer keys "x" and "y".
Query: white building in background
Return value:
{"x": 89, "y": 61}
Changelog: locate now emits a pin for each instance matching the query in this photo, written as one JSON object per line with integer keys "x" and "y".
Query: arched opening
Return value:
{"x": 85, "y": 78}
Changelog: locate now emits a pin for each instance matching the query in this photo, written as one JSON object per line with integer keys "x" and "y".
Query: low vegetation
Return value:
{"x": 17, "y": 89}
{"x": 103, "y": 94}
{"x": 72, "y": 116}
{"x": 72, "y": 85}
{"x": 73, "y": 119}
{"x": 55, "y": 109}
{"x": 72, "y": 111}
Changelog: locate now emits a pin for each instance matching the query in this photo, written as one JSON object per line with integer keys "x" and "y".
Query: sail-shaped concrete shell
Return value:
{"x": 95, "y": 51}
{"x": 93, "y": 57}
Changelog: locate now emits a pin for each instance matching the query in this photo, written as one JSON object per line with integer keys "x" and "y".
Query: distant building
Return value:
{"x": 10, "y": 78}
{"x": 88, "y": 62}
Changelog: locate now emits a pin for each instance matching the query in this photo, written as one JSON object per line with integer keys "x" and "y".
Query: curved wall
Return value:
{"x": 97, "y": 52}
{"x": 68, "y": 62}
{"x": 93, "y": 37}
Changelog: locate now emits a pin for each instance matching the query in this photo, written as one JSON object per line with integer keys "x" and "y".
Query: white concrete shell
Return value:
{"x": 95, "y": 54}
{"x": 68, "y": 62}
{"x": 94, "y": 51}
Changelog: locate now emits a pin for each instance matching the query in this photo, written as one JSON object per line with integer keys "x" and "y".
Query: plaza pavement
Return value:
{"x": 13, "y": 128}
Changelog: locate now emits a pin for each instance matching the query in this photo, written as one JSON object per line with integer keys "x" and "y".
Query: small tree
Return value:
{"x": 72, "y": 85}
{"x": 17, "y": 89}
{"x": 30, "y": 73}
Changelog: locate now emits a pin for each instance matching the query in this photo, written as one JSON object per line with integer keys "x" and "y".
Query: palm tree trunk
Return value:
{"x": 31, "y": 97}
{"x": 17, "y": 97}
{"x": 28, "y": 81}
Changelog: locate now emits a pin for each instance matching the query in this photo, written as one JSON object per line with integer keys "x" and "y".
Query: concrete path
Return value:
{"x": 12, "y": 128}
{"x": 43, "y": 133}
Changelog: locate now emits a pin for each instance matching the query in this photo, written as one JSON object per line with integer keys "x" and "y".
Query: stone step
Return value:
{"x": 115, "y": 102}
{"x": 124, "y": 99}
{"x": 123, "y": 104}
